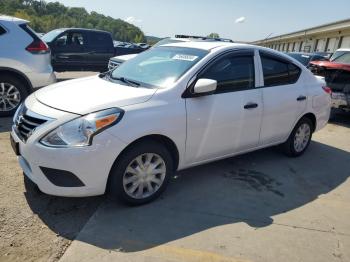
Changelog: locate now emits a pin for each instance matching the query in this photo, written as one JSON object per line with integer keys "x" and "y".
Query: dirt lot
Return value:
{"x": 37, "y": 227}
{"x": 34, "y": 226}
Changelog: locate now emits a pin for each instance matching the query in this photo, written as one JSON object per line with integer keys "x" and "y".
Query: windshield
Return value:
{"x": 341, "y": 57}
{"x": 304, "y": 59}
{"x": 337, "y": 54}
{"x": 167, "y": 41}
{"x": 159, "y": 67}
{"x": 51, "y": 35}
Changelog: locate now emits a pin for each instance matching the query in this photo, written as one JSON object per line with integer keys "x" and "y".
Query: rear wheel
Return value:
{"x": 141, "y": 174}
{"x": 12, "y": 93}
{"x": 299, "y": 139}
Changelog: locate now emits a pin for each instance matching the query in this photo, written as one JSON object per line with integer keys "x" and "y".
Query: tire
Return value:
{"x": 118, "y": 185}
{"x": 290, "y": 147}
{"x": 11, "y": 90}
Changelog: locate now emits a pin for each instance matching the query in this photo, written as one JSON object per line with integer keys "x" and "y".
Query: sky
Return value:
{"x": 240, "y": 20}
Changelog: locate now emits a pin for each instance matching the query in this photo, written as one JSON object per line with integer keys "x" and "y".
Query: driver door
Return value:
{"x": 229, "y": 120}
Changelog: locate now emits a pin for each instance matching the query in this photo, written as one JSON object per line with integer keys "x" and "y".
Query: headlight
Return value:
{"x": 80, "y": 132}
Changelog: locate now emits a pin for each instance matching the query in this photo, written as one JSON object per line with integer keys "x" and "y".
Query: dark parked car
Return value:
{"x": 306, "y": 58}
{"x": 82, "y": 49}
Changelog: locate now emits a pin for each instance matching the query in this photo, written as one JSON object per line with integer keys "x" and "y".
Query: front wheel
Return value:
{"x": 141, "y": 174}
{"x": 299, "y": 139}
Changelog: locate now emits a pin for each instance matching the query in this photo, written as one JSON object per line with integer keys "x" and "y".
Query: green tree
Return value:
{"x": 45, "y": 17}
{"x": 213, "y": 35}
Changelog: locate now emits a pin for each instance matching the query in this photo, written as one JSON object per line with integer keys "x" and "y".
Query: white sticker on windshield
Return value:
{"x": 185, "y": 57}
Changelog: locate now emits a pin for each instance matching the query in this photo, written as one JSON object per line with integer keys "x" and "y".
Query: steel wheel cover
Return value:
{"x": 302, "y": 137}
{"x": 144, "y": 176}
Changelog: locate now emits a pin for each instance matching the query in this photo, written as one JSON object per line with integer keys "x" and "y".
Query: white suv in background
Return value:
{"x": 118, "y": 60}
{"x": 170, "y": 108}
{"x": 25, "y": 63}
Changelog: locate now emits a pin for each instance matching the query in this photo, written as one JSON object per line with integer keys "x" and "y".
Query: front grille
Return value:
{"x": 26, "y": 124}
{"x": 113, "y": 64}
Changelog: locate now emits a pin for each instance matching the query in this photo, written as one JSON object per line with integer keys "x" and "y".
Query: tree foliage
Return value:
{"x": 214, "y": 35}
{"x": 45, "y": 17}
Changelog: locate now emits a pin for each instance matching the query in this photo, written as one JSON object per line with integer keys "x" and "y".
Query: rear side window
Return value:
{"x": 99, "y": 39}
{"x": 233, "y": 73}
{"x": 29, "y": 31}
{"x": 2, "y": 30}
{"x": 278, "y": 72}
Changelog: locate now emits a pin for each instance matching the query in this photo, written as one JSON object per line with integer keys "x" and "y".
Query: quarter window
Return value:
{"x": 278, "y": 72}
{"x": 233, "y": 73}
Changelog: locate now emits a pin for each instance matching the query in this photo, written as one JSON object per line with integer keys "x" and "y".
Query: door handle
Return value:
{"x": 251, "y": 106}
{"x": 63, "y": 56}
{"x": 301, "y": 98}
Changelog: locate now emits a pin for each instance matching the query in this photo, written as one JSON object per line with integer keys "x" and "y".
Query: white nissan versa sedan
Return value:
{"x": 169, "y": 108}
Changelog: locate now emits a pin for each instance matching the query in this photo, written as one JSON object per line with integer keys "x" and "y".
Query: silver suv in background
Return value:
{"x": 25, "y": 63}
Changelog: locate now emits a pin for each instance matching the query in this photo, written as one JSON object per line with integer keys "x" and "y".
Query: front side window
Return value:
{"x": 233, "y": 73}
{"x": 277, "y": 72}
{"x": 160, "y": 66}
{"x": 70, "y": 40}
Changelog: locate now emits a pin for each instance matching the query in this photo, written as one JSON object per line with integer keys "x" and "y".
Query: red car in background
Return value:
{"x": 337, "y": 76}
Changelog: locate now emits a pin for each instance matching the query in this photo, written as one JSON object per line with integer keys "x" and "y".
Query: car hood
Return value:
{"x": 331, "y": 65}
{"x": 90, "y": 94}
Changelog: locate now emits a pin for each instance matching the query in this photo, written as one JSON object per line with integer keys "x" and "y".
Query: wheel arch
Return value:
{"x": 312, "y": 118}
{"x": 164, "y": 140}
{"x": 17, "y": 74}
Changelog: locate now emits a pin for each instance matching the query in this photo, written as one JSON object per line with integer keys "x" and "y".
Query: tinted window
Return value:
{"x": 99, "y": 39}
{"x": 275, "y": 72}
{"x": 232, "y": 73}
{"x": 2, "y": 30}
{"x": 294, "y": 73}
{"x": 278, "y": 72}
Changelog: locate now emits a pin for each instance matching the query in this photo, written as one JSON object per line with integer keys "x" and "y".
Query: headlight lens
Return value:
{"x": 80, "y": 132}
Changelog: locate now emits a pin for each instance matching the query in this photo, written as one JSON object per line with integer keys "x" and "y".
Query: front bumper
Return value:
{"x": 91, "y": 165}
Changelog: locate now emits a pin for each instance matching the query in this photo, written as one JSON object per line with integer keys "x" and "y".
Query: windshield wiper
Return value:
{"x": 127, "y": 81}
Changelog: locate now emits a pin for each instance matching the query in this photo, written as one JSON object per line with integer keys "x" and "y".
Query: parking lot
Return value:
{"x": 260, "y": 206}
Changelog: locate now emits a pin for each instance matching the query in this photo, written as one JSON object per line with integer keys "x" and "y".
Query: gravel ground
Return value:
{"x": 35, "y": 226}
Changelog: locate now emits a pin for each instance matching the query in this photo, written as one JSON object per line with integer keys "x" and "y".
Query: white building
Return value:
{"x": 323, "y": 38}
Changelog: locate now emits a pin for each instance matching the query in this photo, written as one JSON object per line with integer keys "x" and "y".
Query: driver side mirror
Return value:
{"x": 205, "y": 86}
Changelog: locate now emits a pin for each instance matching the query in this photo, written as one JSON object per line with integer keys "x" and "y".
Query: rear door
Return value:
{"x": 284, "y": 98}
{"x": 69, "y": 51}
{"x": 227, "y": 121}
{"x": 99, "y": 50}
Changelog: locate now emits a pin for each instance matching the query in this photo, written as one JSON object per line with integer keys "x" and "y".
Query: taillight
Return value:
{"x": 327, "y": 89}
{"x": 38, "y": 47}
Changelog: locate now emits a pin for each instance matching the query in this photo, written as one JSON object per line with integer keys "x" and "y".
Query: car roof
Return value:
{"x": 205, "y": 45}
{"x": 12, "y": 19}
{"x": 82, "y": 29}
{"x": 343, "y": 49}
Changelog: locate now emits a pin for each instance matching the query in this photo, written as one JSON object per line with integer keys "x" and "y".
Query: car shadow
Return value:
{"x": 250, "y": 188}
{"x": 341, "y": 118}
{"x": 65, "y": 216}
{"x": 5, "y": 124}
